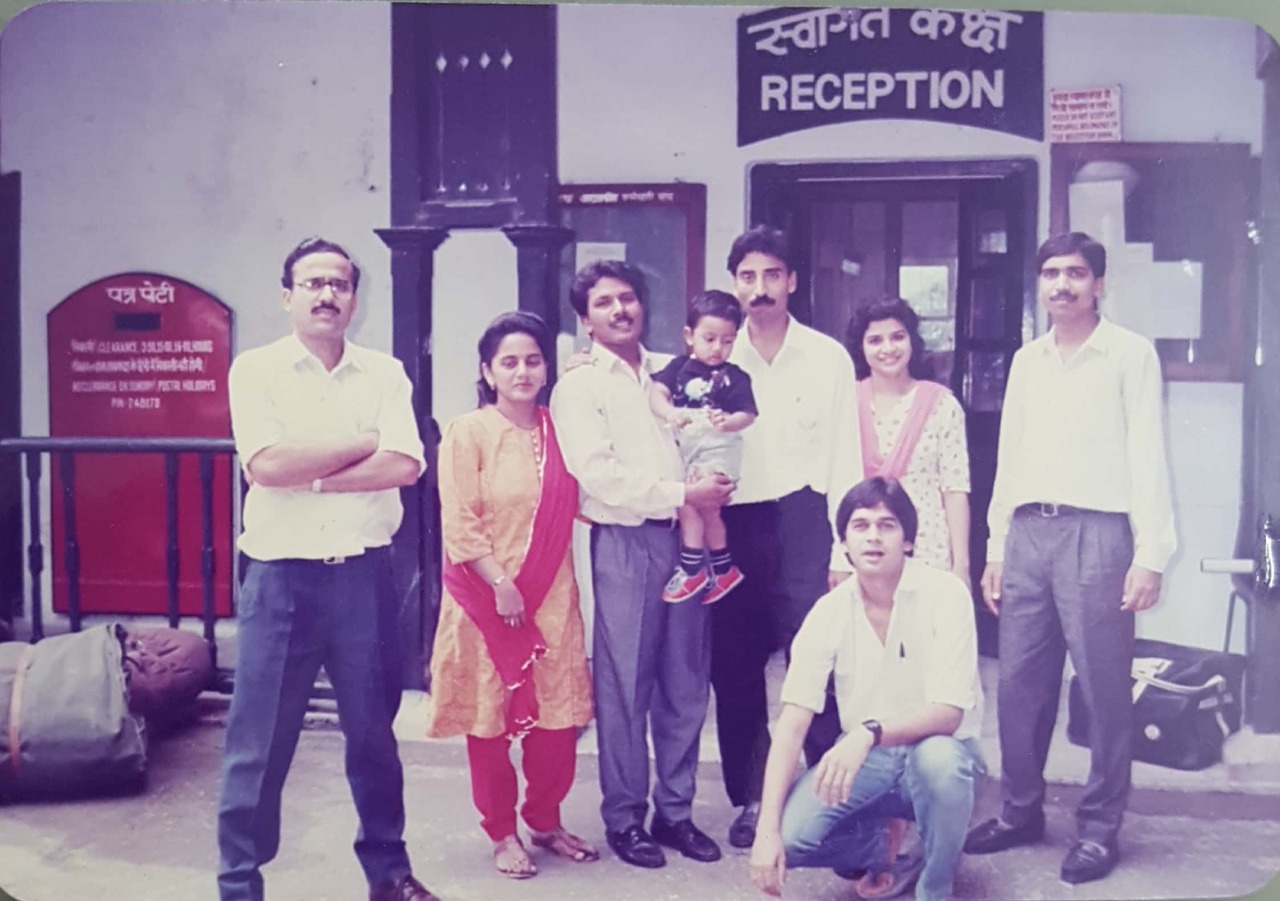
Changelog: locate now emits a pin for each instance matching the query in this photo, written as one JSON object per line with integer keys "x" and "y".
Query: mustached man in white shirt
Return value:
{"x": 326, "y": 433}
{"x": 798, "y": 459}
{"x": 652, "y": 659}
{"x": 1081, "y": 529}
{"x": 899, "y": 639}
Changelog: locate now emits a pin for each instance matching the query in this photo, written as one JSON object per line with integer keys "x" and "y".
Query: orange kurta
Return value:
{"x": 489, "y": 488}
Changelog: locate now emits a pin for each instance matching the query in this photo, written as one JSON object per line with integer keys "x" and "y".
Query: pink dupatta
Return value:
{"x": 515, "y": 650}
{"x": 894, "y": 466}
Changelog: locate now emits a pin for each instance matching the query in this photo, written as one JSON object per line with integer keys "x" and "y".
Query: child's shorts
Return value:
{"x": 705, "y": 449}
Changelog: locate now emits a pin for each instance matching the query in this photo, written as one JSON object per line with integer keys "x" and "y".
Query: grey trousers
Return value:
{"x": 1063, "y": 583}
{"x": 651, "y": 671}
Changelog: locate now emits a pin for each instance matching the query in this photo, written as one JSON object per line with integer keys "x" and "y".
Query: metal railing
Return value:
{"x": 65, "y": 452}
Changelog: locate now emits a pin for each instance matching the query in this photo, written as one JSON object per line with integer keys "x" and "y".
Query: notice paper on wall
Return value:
{"x": 1084, "y": 114}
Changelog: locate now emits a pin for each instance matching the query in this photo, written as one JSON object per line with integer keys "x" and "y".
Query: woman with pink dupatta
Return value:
{"x": 912, "y": 429}
{"x": 510, "y": 659}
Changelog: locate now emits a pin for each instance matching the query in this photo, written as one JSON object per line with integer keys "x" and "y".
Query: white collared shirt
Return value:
{"x": 624, "y": 459}
{"x": 281, "y": 392}
{"x": 1088, "y": 432}
{"x": 807, "y": 432}
{"x": 930, "y": 652}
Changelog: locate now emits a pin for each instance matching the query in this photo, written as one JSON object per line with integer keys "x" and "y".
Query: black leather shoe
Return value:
{"x": 405, "y": 889}
{"x": 997, "y": 835}
{"x": 636, "y": 847}
{"x": 742, "y": 832}
{"x": 1087, "y": 861}
{"x": 686, "y": 838}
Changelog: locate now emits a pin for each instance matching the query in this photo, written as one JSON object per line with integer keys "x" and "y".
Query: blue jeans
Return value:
{"x": 294, "y": 616}
{"x": 931, "y": 782}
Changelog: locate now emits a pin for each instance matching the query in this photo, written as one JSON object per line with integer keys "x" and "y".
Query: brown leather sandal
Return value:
{"x": 509, "y": 849}
{"x": 565, "y": 844}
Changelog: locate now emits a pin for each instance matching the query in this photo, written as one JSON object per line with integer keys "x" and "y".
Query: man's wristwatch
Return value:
{"x": 876, "y": 730}
{"x": 498, "y": 581}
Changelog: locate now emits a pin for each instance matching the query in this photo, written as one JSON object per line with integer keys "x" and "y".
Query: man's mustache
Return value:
{"x": 325, "y": 305}
{"x": 621, "y": 320}
{"x": 764, "y": 300}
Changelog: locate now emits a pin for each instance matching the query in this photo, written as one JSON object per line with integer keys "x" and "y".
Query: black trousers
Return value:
{"x": 783, "y": 548}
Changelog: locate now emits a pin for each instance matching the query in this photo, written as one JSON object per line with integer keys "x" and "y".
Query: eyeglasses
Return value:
{"x": 340, "y": 286}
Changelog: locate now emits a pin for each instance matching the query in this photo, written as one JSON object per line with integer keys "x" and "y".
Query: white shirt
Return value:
{"x": 282, "y": 392}
{"x": 1089, "y": 433}
{"x": 807, "y": 432}
{"x": 624, "y": 459}
{"x": 930, "y": 652}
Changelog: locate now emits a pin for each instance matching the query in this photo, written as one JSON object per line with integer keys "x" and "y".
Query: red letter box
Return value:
{"x": 140, "y": 355}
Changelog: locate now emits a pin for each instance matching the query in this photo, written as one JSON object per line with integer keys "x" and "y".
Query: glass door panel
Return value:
{"x": 927, "y": 276}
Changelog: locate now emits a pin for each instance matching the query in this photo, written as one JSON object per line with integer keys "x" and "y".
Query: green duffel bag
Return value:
{"x": 65, "y": 725}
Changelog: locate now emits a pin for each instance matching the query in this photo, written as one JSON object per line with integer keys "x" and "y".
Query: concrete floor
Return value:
{"x": 1211, "y": 834}
{"x": 159, "y": 845}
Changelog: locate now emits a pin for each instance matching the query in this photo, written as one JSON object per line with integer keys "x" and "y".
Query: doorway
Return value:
{"x": 956, "y": 240}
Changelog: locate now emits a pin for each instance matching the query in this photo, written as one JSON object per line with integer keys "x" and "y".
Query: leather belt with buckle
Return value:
{"x": 663, "y": 523}
{"x": 1049, "y": 509}
{"x": 333, "y": 561}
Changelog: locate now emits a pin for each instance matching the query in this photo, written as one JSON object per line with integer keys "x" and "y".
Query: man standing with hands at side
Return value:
{"x": 326, "y": 433}
{"x": 1081, "y": 529}
{"x": 799, "y": 458}
{"x": 651, "y": 659}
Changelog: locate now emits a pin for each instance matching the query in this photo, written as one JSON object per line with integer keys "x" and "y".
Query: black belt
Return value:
{"x": 1051, "y": 509}
{"x": 663, "y": 523}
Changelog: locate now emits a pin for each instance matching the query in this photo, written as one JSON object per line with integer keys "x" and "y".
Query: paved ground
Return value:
{"x": 1209, "y": 834}
{"x": 159, "y": 846}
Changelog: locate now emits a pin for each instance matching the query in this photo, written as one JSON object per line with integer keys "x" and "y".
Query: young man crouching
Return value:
{"x": 900, "y": 640}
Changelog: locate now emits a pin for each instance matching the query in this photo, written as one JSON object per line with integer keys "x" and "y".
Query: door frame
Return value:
{"x": 770, "y": 185}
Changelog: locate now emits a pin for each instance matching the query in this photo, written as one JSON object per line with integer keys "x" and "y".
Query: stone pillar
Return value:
{"x": 538, "y": 248}
{"x": 416, "y": 545}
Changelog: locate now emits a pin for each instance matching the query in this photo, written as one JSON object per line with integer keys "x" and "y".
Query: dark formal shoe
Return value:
{"x": 1087, "y": 861}
{"x": 742, "y": 832}
{"x": 636, "y": 847}
{"x": 406, "y": 889}
{"x": 686, "y": 838}
{"x": 997, "y": 835}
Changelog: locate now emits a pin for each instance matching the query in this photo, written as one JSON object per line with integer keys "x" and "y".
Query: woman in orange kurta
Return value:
{"x": 510, "y": 659}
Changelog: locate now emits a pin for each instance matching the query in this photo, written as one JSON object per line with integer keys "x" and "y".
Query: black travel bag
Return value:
{"x": 1186, "y": 702}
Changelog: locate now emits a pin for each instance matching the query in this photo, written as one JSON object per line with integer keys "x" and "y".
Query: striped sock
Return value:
{"x": 721, "y": 560}
{"x": 692, "y": 559}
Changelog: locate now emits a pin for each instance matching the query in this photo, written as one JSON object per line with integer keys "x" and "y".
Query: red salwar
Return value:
{"x": 548, "y": 764}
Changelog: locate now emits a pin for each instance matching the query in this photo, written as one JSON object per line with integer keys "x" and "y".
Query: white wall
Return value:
{"x": 665, "y": 109}
{"x": 200, "y": 140}
{"x": 1205, "y": 449}
{"x": 204, "y": 139}
{"x": 466, "y": 298}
